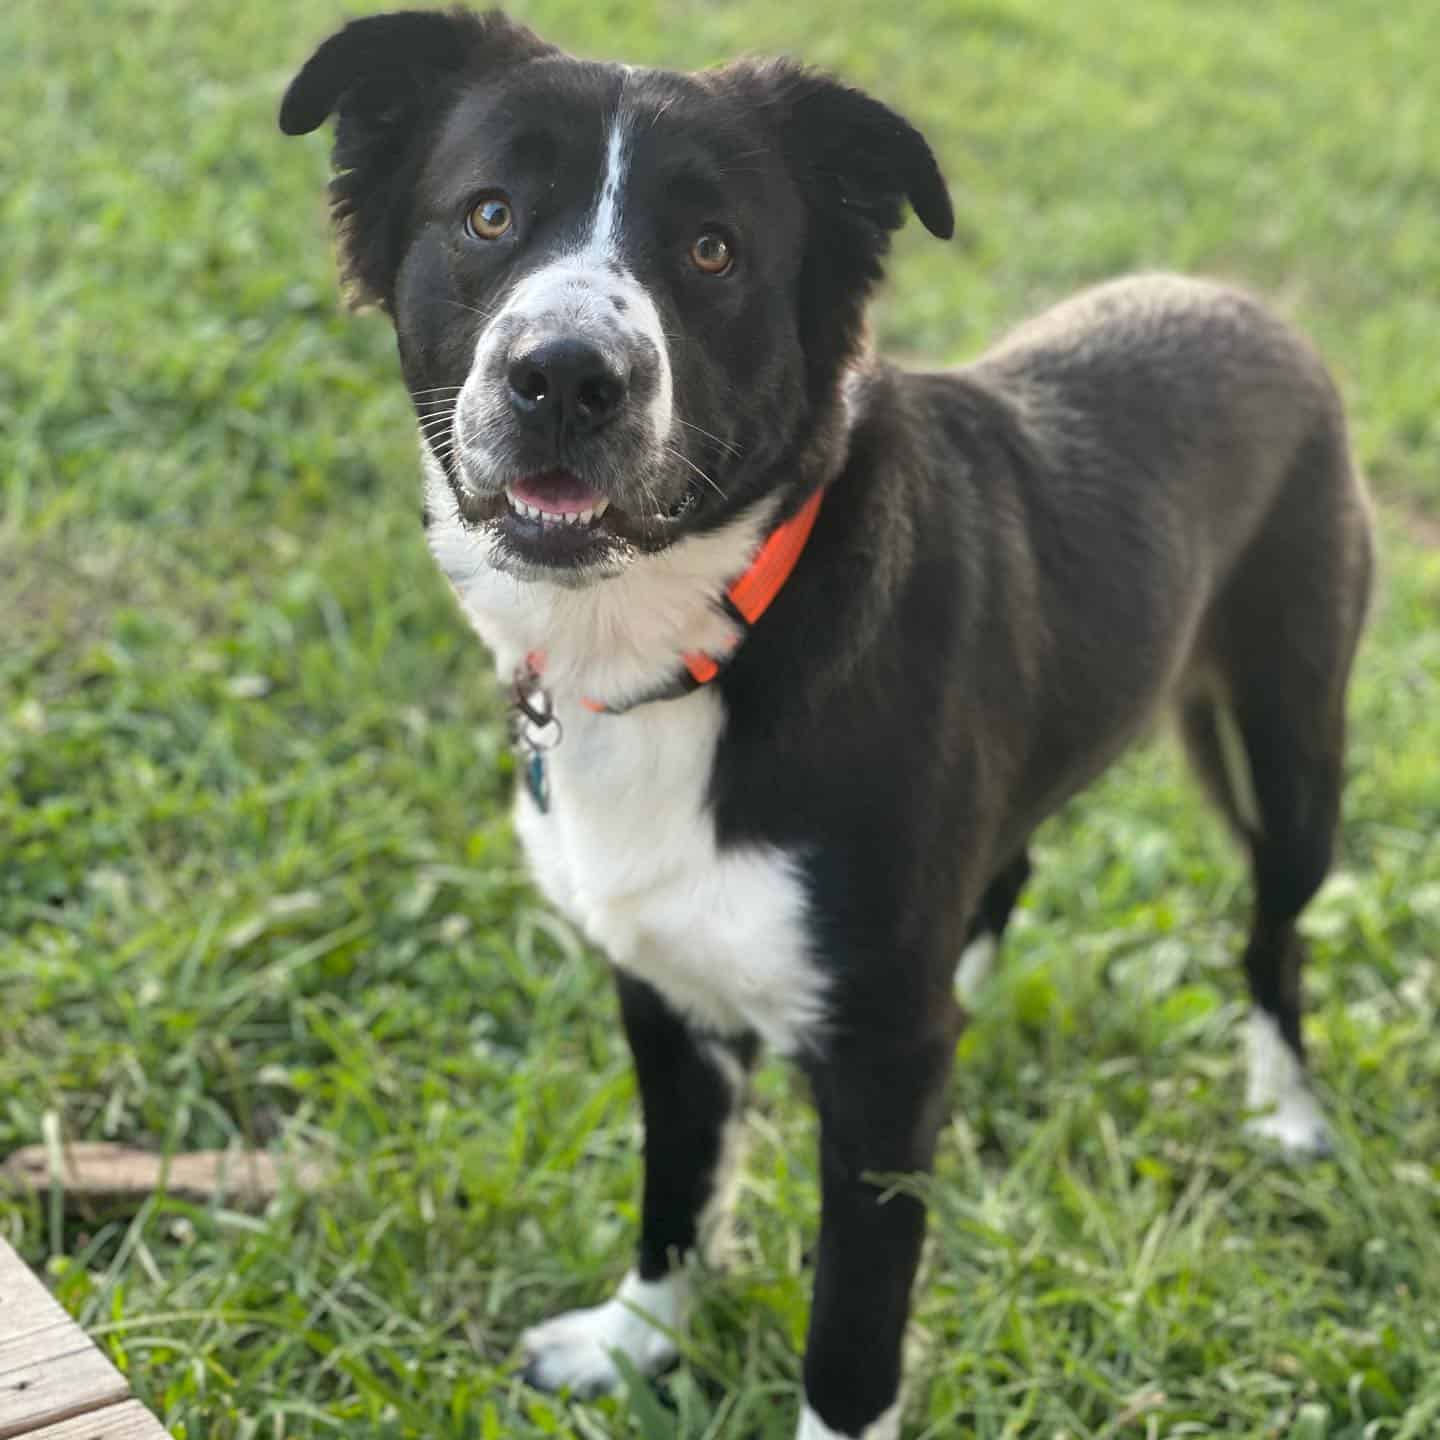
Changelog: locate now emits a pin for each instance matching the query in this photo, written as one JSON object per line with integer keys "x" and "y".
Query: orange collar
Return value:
{"x": 747, "y": 598}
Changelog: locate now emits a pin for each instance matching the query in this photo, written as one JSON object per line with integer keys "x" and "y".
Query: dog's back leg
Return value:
{"x": 1266, "y": 732}
{"x": 982, "y": 944}
{"x": 1297, "y": 793}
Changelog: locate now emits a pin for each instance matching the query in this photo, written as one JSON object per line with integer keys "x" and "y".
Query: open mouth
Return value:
{"x": 556, "y": 498}
{"x": 554, "y": 518}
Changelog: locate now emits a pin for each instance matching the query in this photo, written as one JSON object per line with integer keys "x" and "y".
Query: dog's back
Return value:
{"x": 1192, "y": 519}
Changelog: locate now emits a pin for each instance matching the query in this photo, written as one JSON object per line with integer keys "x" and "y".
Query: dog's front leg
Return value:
{"x": 881, "y": 1102}
{"x": 692, "y": 1090}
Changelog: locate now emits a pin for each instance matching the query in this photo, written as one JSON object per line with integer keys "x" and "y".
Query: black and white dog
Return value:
{"x": 803, "y": 648}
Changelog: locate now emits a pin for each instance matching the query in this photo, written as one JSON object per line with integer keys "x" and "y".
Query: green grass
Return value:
{"x": 256, "y": 879}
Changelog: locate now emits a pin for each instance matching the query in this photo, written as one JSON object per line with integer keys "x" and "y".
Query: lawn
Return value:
{"x": 256, "y": 878}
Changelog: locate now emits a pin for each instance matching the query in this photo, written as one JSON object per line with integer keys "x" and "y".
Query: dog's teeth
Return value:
{"x": 549, "y": 517}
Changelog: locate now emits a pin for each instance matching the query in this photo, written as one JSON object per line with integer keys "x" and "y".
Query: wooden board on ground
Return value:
{"x": 98, "y": 1173}
{"x": 127, "y": 1421}
{"x": 54, "y": 1383}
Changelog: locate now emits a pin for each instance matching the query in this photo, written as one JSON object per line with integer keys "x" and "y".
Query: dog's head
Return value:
{"x": 625, "y": 299}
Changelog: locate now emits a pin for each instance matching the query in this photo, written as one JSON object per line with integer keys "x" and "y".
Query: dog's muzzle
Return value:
{"x": 563, "y": 427}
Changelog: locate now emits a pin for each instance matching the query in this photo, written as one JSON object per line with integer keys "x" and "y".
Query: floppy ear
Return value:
{"x": 858, "y": 156}
{"x": 388, "y": 79}
{"x": 857, "y": 164}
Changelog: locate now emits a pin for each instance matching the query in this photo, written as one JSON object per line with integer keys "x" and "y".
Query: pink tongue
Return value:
{"x": 556, "y": 491}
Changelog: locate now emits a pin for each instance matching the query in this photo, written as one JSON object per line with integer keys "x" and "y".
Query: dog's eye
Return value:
{"x": 490, "y": 218}
{"x": 711, "y": 253}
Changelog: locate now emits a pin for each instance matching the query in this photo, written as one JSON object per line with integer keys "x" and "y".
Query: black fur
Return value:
{"x": 387, "y": 79}
{"x": 1144, "y": 499}
{"x": 857, "y": 163}
{"x": 687, "y": 1098}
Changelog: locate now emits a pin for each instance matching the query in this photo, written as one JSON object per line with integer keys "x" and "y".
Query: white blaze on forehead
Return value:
{"x": 605, "y": 229}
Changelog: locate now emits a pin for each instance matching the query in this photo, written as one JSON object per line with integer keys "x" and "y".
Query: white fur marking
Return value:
{"x": 574, "y": 1351}
{"x": 1284, "y": 1107}
{"x": 977, "y": 960}
{"x": 628, "y": 849}
{"x": 606, "y": 228}
{"x": 629, "y": 852}
{"x": 887, "y": 1427}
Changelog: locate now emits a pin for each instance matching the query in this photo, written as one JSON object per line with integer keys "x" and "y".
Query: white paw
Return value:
{"x": 1297, "y": 1125}
{"x": 1286, "y": 1112}
{"x": 575, "y": 1351}
{"x": 887, "y": 1427}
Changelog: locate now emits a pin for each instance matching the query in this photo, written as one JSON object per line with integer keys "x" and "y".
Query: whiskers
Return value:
{"x": 710, "y": 435}
{"x": 435, "y": 414}
{"x": 436, "y": 425}
{"x": 687, "y": 461}
{"x": 473, "y": 309}
{"x": 443, "y": 435}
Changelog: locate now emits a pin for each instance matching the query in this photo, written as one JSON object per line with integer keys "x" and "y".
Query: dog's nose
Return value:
{"x": 565, "y": 384}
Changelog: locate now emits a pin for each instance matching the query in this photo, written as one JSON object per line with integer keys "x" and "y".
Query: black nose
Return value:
{"x": 564, "y": 384}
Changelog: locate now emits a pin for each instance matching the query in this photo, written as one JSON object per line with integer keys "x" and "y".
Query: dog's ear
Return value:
{"x": 856, "y": 156}
{"x": 857, "y": 164}
{"x": 387, "y": 79}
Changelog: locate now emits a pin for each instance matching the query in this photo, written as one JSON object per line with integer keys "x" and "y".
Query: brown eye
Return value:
{"x": 490, "y": 219}
{"x": 711, "y": 253}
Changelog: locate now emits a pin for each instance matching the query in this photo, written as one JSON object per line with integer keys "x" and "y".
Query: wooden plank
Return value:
{"x": 25, "y": 1304}
{"x": 49, "y": 1370}
{"x": 96, "y": 1173}
{"x": 128, "y": 1421}
{"x": 72, "y": 1382}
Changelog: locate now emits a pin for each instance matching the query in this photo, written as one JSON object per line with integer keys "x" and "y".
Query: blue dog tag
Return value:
{"x": 537, "y": 781}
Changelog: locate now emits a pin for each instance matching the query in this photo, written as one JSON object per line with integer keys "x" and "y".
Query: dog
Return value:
{"x": 801, "y": 647}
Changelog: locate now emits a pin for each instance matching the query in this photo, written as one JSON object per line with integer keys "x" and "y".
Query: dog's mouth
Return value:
{"x": 554, "y": 498}
{"x": 554, "y": 517}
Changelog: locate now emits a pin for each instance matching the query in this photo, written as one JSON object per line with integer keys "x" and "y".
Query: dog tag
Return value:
{"x": 537, "y": 782}
{"x": 534, "y": 728}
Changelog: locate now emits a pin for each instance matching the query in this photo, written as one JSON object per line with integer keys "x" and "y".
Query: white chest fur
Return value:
{"x": 628, "y": 848}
